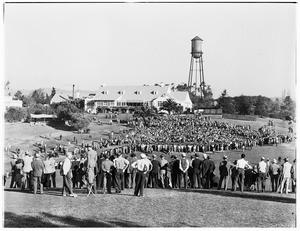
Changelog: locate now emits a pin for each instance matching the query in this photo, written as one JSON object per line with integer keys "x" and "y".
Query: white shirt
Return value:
{"x": 286, "y": 171}
{"x": 27, "y": 163}
{"x": 142, "y": 165}
{"x": 262, "y": 167}
{"x": 66, "y": 166}
{"x": 241, "y": 163}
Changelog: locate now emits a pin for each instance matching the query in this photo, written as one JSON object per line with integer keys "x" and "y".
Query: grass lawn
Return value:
{"x": 159, "y": 207}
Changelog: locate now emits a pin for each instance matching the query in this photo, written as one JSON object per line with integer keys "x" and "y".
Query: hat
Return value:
{"x": 15, "y": 156}
{"x": 274, "y": 161}
{"x": 225, "y": 157}
{"x": 143, "y": 156}
{"x": 154, "y": 156}
{"x": 37, "y": 155}
{"x": 262, "y": 158}
{"x": 204, "y": 156}
{"x": 183, "y": 154}
{"x": 286, "y": 159}
{"x": 26, "y": 153}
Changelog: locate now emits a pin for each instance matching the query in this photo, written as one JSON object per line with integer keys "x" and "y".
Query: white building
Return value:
{"x": 127, "y": 97}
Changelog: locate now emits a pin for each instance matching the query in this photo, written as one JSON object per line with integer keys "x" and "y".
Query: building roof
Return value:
{"x": 131, "y": 93}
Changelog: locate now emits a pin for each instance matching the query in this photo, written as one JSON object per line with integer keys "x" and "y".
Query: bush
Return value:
{"x": 15, "y": 114}
{"x": 79, "y": 121}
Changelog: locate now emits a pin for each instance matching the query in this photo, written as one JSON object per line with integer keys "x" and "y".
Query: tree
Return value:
{"x": 15, "y": 114}
{"x": 288, "y": 108}
{"x": 39, "y": 96}
{"x": 19, "y": 95}
{"x": 170, "y": 105}
{"x": 64, "y": 110}
{"x": 262, "y": 106}
{"x": 79, "y": 121}
{"x": 145, "y": 112}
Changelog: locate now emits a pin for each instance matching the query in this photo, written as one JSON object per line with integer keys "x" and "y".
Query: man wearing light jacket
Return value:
{"x": 67, "y": 176}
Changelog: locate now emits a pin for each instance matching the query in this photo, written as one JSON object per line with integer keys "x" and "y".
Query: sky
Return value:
{"x": 248, "y": 49}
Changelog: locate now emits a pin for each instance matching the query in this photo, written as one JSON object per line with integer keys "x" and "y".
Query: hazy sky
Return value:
{"x": 247, "y": 48}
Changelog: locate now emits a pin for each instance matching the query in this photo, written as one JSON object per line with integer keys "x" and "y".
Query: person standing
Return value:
{"x": 47, "y": 172}
{"x": 286, "y": 172}
{"x": 143, "y": 166}
{"x": 13, "y": 170}
{"x": 294, "y": 176}
{"x": 163, "y": 170}
{"x": 211, "y": 173}
{"x": 183, "y": 173}
{"x": 274, "y": 171}
{"x": 224, "y": 172}
{"x": 53, "y": 170}
{"x": 37, "y": 173}
{"x": 154, "y": 172}
{"x": 197, "y": 165}
{"x": 91, "y": 164}
{"x": 106, "y": 167}
{"x": 132, "y": 171}
{"x": 205, "y": 171}
{"x": 120, "y": 164}
{"x": 66, "y": 172}
{"x": 240, "y": 176}
{"x": 27, "y": 171}
{"x": 262, "y": 175}
{"x": 175, "y": 172}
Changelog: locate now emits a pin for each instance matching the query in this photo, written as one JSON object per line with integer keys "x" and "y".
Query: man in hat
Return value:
{"x": 286, "y": 172}
{"x": 197, "y": 165}
{"x": 163, "y": 170}
{"x": 274, "y": 171}
{"x": 262, "y": 175}
{"x": 183, "y": 173}
{"x": 143, "y": 166}
{"x": 37, "y": 173}
{"x": 67, "y": 176}
{"x": 224, "y": 172}
{"x": 154, "y": 172}
{"x": 205, "y": 171}
{"x": 13, "y": 170}
{"x": 211, "y": 173}
{"x": 91, "y": 166}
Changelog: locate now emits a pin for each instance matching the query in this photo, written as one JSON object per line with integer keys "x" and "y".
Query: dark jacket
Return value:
{"x": 197, "y": 164}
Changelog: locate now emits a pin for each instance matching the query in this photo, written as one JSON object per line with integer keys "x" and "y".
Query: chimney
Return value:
{"x": 73, "y": 93}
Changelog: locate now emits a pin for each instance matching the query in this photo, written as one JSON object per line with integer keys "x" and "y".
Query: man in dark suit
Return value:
{"x": 211, "y": 174}
{"x": 154, "y": 172}
{"x": 205, "y": 171}
{"x": 175, "y": 171}
{"x": 197, "y": 164}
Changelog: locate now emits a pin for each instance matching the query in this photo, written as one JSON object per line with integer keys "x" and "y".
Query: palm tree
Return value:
{"x": 170, "y": 105}
{"x": 146, "y": 112}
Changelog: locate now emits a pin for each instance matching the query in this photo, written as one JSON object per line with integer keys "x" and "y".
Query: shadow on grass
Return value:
{"x": 247, "y": 195}
{"x": 12, "y": 220}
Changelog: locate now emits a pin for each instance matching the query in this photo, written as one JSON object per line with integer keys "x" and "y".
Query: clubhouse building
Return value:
{"x": 126, "y": 98}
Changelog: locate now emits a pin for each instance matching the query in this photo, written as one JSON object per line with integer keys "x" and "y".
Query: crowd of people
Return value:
{"x": 101, "y": 172}
{"x": 112, "y": 163}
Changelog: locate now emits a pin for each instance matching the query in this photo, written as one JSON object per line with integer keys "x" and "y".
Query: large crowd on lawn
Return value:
{"x": 99, "y": 165}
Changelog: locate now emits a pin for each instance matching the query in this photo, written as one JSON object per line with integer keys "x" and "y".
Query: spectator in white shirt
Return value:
{"x": 27, "y": 171}
{"x": 240, "y": 175}
{"x": 143, "y": 166}
{"x": 262, "y": 175}
{"x": 286, "y": 172}
{"x": 67, "y": 176}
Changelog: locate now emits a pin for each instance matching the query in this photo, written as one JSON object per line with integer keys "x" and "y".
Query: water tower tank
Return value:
{"x": 196, "y": 47}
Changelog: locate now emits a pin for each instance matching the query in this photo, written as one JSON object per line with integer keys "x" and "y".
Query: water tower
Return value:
{"x": 196, "y": 75}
